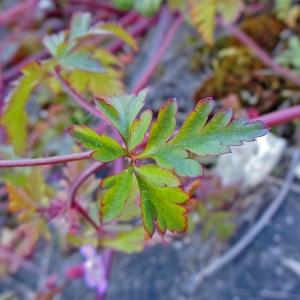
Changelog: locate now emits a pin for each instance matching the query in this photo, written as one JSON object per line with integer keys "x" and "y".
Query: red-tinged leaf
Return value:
{"x": 121, "y": 111}
{"x": 18, "y": 199}
{"x": 160, "y": 202}
{"x": 119, "y": 187}
{"x": 128, "y": 242}
{"x": 213, "y": 138}
{"x": 106, "y": 148}
{"x": 139, "y": 129}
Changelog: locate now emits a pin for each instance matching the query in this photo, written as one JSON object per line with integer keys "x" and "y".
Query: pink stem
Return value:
{"x": 260, "y": 53}
{"x": 9, "y": 16}
{"x": 4, "y": 206}
{"x": 80, "y": 180}
{"x": 137, "y": 30}
{"x": 44, "y": 161}
{"x": 147, "y": 75}
{"x": 77, "y": 97}
{"x": 107, "y": 258}
{"x": 22, "y": 262}
{"x": 86, "y": 216}
{"x": 13, "y": 73}
{"x": 281, "y": 116}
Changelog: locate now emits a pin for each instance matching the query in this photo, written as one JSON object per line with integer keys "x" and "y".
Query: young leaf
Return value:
{"x": 119, "y": 187}
{"x": 78, "y": 60}
{"x": 213, "y": 138}
{"x": 122, "y": 110}
{"x": 53, "y": 41}
{"x": 79, "y": 25}
{"x": 128, "y": 242}
{"x": 106, "y": 148}
{"x": 160, "y": 202}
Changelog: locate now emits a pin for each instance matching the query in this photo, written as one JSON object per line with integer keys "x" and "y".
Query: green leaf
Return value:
{"x": 100, "y": 84}
{"x": 16, "y": 131}
{"x": 128, "y": 242}
{"x": 160, "y": 202}
{"x": 121, "y": 33}
{"x": 230, "y": 10}
{"x": 122, "y": 110}
{"x": 131, "y": 209}
{"x": 107, "y": 149}
{"x": 119, "y": 187}
{"x": 213, "y": 138}
{"x": 79, "y": 25}
{"x": 139, "y": 129}
{"x": 123, "y": 4}
{"x": 78, "y": 60}
{"x": 203, "y": 15}
{"x": 53, "y": 41}
{"x": 147, "y": 8}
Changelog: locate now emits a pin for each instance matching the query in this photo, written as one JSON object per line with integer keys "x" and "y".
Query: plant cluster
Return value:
{"x": 136, "y": 181}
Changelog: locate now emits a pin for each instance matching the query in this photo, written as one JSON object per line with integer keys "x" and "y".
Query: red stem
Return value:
{"x": 8, "y": 16}
{"x": 107, "y": 258}
{"x": 86, "y": 216}
{"x": 282, "y": 116}
{"x": 77, "y": 97}
{"x": 22, "y": 262}
{"x": 137, "y": 30}
{"x": 14, "y": 72}
{"x": 260, "y": 53}
{"x": 44, "y": 161}
{"x": 80, "y": 179}
{"x": 147, "y": 75}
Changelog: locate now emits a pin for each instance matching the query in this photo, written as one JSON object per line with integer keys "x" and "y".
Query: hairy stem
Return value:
{"x": 44, "y": 161}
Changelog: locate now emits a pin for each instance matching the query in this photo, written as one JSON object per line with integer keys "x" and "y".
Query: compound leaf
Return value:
{"x": 213, "y": 138}
{"x": 119, "y": 187}
{"x": 160, "y": 202}
{"x": 106, "y": 148}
